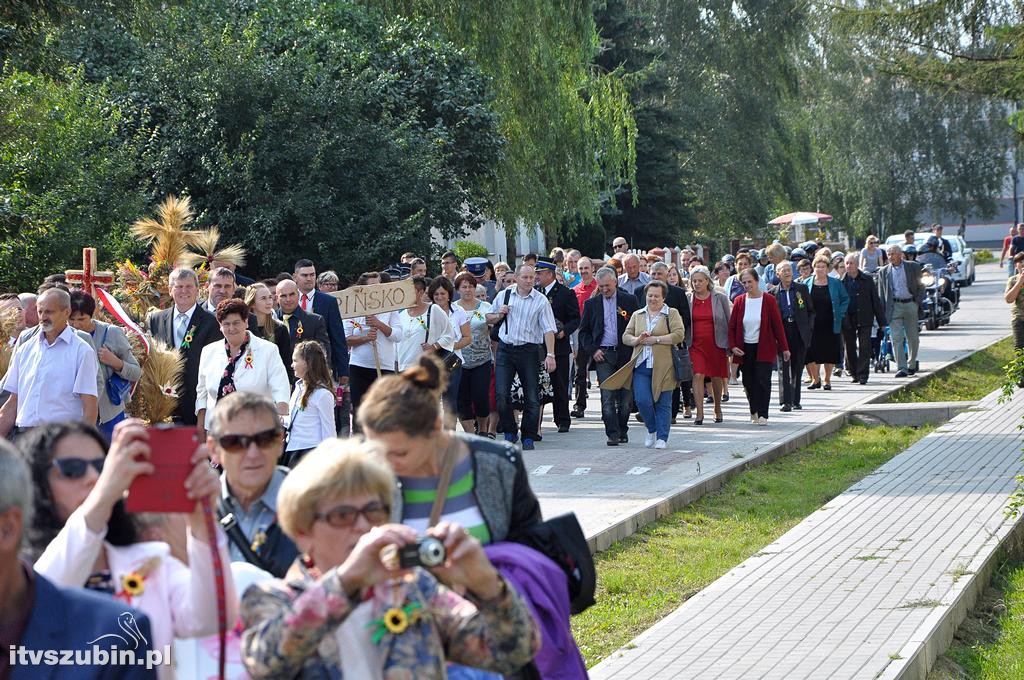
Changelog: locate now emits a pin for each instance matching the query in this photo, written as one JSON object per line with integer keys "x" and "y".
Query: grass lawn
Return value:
{"x": 972, "y": 379}
{"x": 646, "y": 576}
{"x": 1003, "y": 658}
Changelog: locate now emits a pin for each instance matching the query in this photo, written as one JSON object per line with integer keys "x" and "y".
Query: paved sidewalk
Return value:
{"x": 615, "y": 489}
{"x": 867, "y": 586}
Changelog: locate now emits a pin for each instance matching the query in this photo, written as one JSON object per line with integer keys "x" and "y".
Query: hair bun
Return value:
{"x": 428, "y": 374}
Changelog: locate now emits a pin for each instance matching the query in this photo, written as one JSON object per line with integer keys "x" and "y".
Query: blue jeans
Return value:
{"x": 657, "y": 416}
{"x": 524, "y": 361}
{"x": 107, "y": 428}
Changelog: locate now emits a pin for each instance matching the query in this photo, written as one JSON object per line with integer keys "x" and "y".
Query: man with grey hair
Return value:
{"x": 900, "y": 293}
{"x": 634, "y": 279}
{"x": 219, "y": 287}
{"x": 52, "y": 375}
{"x": 37, "y": 616}
{"x": 605, "y": 316}
{"x": 28, "y": 303}
{"x": 188, "y": 327}
{"x": 864, "y": 311}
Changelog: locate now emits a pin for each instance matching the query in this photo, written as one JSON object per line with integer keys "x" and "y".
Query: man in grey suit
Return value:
{"x": 899, "y": 287}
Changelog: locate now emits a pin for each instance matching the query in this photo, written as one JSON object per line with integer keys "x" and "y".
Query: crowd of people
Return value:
{"x": 317, "y": 527}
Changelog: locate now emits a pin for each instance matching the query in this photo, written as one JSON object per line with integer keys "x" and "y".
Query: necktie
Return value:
{"x": 286, "y": 317}
{"x": 305, "y": 296}
{"x": 179, "y": 329}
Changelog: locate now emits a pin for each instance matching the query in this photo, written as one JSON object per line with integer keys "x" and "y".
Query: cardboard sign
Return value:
{"x": 376, "y": 299}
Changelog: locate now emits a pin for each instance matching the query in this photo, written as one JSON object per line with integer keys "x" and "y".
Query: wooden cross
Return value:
{"x": 88, "y": 278}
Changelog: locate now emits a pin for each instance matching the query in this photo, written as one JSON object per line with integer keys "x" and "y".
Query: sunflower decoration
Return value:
{"x": 133, "y": 584}
{"x": 396, "y": 621}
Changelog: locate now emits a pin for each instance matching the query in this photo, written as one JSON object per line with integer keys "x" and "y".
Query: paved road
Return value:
{"x": 866, "y": 586}
{"x": 604, "y": 485}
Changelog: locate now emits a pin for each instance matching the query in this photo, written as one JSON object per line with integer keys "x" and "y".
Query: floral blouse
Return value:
{"x": 290, "y": 630}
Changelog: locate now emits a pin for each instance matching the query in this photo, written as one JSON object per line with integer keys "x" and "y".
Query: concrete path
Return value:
{"x": 613, "y": 490}
{"x": 870, "y": 586}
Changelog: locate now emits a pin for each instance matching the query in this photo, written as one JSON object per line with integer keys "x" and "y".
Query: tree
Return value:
{"x": 66, "y": 179}
{"x": 305, "y": 130}
{"x": 656, "y": 210}
{"x": 570, "y": 128}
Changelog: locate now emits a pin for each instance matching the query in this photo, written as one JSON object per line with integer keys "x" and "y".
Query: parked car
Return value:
{"x": 963, "y": 255}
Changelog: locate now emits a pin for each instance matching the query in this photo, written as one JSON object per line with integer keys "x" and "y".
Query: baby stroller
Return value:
{"x": 886, "y": 352}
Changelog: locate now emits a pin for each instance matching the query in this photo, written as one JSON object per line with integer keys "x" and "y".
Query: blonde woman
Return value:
{"x": 262, "y": 323}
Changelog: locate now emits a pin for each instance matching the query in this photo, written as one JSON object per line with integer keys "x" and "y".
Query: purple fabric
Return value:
{"x": 545, "y": 587}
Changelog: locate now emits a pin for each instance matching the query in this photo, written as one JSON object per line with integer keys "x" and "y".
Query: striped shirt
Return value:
{"x": 529, "y": 318}
{"x": 418, "y": 494}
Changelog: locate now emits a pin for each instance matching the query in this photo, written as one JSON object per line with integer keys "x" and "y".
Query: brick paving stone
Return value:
{"x": 862, "y": 580}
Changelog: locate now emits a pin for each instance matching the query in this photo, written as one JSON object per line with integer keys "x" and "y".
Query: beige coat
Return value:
{"x": 663, "y": 378}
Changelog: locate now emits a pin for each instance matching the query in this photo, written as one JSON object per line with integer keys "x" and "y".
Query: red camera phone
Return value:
{"x": 171, "y": 449}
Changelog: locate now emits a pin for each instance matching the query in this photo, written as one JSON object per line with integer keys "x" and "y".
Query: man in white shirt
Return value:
{"x": 525, "y": 321}
{"x": 52, "y": 376}
{"x": 634, "y": 279}
{"x": 219, "y": 288}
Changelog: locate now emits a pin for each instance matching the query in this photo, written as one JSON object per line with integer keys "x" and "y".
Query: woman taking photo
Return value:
{"x": 118, "y": 367}
{"x": 422, "y": 332}
{"x": 344, "y": 610}
{"x": 477, "y": 365}
{"x": 830, "y": 300}
{"x": 709, "y": 314}
{"x": 242, "y": 361}
{"x": 652, "y": 332}
{"x": 85, "y": 539}
{"x": 442, "y": 294}
{"x": 263, "y": 324}
{"x": 311, "y": 408}
{"x": 757, "y": 337}
{"x": 371, "y": 342}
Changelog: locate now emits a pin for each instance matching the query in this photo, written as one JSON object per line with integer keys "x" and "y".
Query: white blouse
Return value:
{"x": 264, "y": 375}
{"x": 309, "y": 426}
{"x": 752, "y": 319}
{"x": 362, "y": 355}
{"x": 414, "y": 334}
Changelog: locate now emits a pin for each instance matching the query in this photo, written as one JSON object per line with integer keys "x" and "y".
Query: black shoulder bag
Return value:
{"x": 504, "y": 319}
{"x": 450, "y": 359}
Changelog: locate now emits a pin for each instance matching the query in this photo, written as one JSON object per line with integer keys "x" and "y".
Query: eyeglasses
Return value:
{"x": 75, "y": 468}
{"x": 621, "y": 245}
{"x": 240, "y": 442}
{"x": 344, "y": 516}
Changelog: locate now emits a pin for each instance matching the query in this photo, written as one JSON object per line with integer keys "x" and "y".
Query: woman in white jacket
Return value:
{"x": 84, "y": 537}
{"x": 241, "y": 362}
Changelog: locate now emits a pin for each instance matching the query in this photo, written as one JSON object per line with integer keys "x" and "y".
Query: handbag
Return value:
{"x": 450, "y": 359}
{"x": 561, "y": 539}
{"x": 504, "y": 320}
{"x": 678, "y": 367}
{"x": 118, "y": 389}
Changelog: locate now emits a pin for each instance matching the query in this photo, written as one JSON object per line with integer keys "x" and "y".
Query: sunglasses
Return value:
{"x": 75, "y": 468}
{"x": 241, "y": 442}
{"x": 344, "y": 516}
{"x": 622, "y": 245}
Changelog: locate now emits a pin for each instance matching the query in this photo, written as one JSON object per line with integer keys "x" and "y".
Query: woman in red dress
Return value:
{"x": 709, "y": 314}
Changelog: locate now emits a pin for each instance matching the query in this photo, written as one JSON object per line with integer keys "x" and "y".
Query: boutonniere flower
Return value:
{"x": 396, "y": 621}
{"x": 248, "y": 359}
{"x": 133, "y": 584}
{"x": 358, "y": 326}
{"x": 799, "y": 300}
{"x": 187, "y": 340}
{"x": 298, "y": 330}
{"x": 622, "y": 313}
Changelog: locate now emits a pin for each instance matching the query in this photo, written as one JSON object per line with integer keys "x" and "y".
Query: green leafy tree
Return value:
{"x": 66, "y": 179}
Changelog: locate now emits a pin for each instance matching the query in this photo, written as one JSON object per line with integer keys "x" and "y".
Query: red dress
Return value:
{"x": 708, "y": 358}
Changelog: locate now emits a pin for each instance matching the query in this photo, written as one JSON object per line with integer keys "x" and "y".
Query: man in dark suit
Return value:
{"x": 566, "y": 309}
{"x": 301, "y": 325}
{"x": 797, "y": 313}
{"x": 900, "y": 290}
{"x": 37, "y": 617}
{"x": 313, "y": 301}
{"x": 189, "y": 327}
{"x": 864, "y": 310}
{"x": 604, "y": 321}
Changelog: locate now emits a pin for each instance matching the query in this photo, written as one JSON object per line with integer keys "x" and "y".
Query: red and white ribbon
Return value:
{"x": 117, "y": 311}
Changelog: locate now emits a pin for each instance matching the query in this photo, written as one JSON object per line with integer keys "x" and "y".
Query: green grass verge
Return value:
{"x": 646, "y": 576}
{"x": 1003, "y": 658}
{"x": 978, "y": 375}
{"x": 983, "y": 256}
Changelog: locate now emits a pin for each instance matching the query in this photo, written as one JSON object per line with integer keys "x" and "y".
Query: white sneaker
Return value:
{"x": 762, "y": 421}
{"x": 753, "y": 419}
{"x": 660, "y": 444}
{"x": 649, "y": 439}
{"x": 734, "y": 381}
